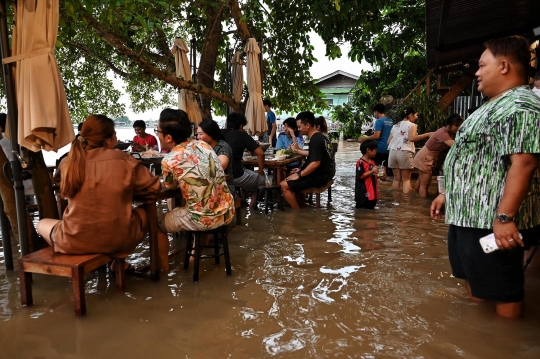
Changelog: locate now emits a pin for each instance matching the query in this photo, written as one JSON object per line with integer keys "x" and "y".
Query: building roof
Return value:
{"x": 336, "y": 73}
{"x": 336, "y": 90}
{"x": 456, "y": 29}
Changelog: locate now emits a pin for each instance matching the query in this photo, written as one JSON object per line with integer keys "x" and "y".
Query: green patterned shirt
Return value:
{"x": 476, "y": 167}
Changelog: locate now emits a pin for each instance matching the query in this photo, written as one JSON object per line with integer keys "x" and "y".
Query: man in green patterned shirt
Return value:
{"x": 492, "y": 180}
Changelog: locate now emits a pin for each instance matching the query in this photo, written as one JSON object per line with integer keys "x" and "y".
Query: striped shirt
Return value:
{"x": 476, "y": 167}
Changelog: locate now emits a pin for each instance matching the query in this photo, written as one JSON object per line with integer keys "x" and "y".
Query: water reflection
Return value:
{"x": 319, "y": 283}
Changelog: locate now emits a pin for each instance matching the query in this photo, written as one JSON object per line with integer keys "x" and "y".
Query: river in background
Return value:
{"x": 318, "y": 283}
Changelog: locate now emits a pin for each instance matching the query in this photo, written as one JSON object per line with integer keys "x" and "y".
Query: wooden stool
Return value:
{"x": 269, "y": 193}
{"x": 46, "y": 261}
{"x": 238, "y": 210}
{"x": 197, "y": 255}
{"x": 318, "y": 191}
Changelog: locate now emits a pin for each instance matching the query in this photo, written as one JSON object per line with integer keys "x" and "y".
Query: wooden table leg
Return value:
{"x": 279, "y": 174}
{"x": 151, "y": 216}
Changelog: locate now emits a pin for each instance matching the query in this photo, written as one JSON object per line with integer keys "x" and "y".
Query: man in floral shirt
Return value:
{"x": 194, "y": 167}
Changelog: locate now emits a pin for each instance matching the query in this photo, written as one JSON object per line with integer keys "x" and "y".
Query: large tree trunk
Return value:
{"x": 209, "y": 55}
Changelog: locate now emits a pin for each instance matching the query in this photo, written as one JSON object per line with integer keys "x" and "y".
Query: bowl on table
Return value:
{"x": 264, "y": 146}
{"x": 280, "y": 157}
{"x": 122, "y": 145}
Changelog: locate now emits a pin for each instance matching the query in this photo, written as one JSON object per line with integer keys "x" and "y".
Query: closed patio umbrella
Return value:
{"x": 44, "y": 121}
{"x": 186, "y": 99}
{"x": 254, "y": 109}
{"x": 237, "y": 75}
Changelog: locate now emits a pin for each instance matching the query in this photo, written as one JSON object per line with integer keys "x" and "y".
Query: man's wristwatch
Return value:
{"x": 299, "y": 174}
{"x": 504, "y": 218}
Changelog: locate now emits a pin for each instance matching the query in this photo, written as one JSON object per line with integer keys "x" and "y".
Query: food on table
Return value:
{"x": 150, "y": 154}
{"x": 287, "y": 152}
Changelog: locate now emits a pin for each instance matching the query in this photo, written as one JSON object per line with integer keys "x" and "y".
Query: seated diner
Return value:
{"x": 92, "y": 174}
{"x": 239, "y": 140}
{"x": 194, "y": 167}
{"x": 319, "y": 167}
{"x": 143, "y": 141}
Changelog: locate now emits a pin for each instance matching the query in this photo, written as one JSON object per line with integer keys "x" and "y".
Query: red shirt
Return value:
{"x": 149, "y": 140}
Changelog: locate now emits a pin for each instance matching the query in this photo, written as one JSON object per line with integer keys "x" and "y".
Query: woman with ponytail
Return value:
{"x": 99, "y": 183}
{"x": 402, "y": 150}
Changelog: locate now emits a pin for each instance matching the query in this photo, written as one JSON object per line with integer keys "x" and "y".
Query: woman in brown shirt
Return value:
{"x": 426, "y": 159}
{"x": 99, "y": 183}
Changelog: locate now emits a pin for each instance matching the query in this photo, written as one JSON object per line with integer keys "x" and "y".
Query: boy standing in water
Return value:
{"x": 366, "y": 189}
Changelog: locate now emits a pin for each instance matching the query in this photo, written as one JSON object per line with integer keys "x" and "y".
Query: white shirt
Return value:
{"x": 536, "y": 91}
{"x": 400, "y": 137}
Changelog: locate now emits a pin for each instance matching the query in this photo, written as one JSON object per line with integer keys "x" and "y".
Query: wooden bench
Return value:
{"x": 46, "y": 261}
{"x": 318, "y": 191}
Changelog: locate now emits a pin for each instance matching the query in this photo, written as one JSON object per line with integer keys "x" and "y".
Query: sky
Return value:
{"x": 319, "y": 69}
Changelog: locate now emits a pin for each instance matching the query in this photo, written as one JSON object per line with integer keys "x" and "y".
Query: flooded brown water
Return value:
{"x": 319, "y": 283}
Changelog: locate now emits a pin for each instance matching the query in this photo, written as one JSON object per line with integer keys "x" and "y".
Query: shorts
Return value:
{"x": 400, "y": 159}
{"x": 304, "y": 183}
{"x": 250, "y": 180}
{"x": 380, "y": 158}
{"x": 177, "y": 220}
{"x": 496, "y": 276}
{"x": 425, "y": 160}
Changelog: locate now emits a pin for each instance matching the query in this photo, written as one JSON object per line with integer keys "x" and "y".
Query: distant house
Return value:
{"x": 336, "y": 87}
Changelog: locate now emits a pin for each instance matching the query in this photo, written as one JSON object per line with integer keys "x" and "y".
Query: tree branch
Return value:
{"x": 154, "y": 71}
{"x": 109, "y": 63}
{"x": 240, "y": 24}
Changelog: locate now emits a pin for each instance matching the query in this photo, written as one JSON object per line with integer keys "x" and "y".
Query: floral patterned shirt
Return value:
{"x": 194, "y": 167}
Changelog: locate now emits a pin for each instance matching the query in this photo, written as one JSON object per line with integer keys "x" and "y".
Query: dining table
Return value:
{"x": 278, "y": 167}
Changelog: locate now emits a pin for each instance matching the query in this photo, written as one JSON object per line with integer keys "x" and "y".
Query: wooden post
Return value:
{"x": 428, "y": 85}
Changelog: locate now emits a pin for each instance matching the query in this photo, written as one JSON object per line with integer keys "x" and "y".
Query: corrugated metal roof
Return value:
{"x": 468, "y": 23}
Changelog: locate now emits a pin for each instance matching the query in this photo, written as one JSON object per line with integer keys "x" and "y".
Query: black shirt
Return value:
{"x": 320, "y": 149}
{"x": 239, "y": 140}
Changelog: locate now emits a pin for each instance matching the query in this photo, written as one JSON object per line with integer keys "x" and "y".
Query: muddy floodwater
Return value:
{"x": 319, "y": 283}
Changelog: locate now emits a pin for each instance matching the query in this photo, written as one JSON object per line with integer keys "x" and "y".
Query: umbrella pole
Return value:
{"x": 16, "y": 167}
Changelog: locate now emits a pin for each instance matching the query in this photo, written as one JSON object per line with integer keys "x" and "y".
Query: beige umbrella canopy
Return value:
{"x": 44, "y": 121}
{"x": 254, "y": 109}
{"x": 237, "y": 75}
{"x": 186, "y": 99}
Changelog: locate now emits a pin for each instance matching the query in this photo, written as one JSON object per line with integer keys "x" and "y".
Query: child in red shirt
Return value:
{"x": 366, "y": 188}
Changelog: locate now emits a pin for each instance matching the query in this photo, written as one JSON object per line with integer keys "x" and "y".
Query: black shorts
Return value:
{"x": 307, "y": 182}
{"x": 380, "y": 157}
{"x": 496, "y": 276}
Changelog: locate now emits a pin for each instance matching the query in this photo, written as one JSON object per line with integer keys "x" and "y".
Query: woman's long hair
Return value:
{"x": 320, "y": 122}
{"x": 211, "y": 128}
{"x": 96, "y": 129}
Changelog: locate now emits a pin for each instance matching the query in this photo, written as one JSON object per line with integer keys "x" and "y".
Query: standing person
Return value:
{"x": 194, "y": 167}
{"x": 401, "y": 146}
{"x": 143, "y": 141}
{"x": 209, "y": 132}
{"x": 426, "y": 159}
{"x": 382, "y": 127}
{"x": 536, "y": 85}
{"x": 99, "y": 183}
{"x": 270, "y": 122}
{"x": 319, "y": 167}
{"x": 492, "y": 180}
{"x": 366, "y": 189}
{"x": 239, "y": 141}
